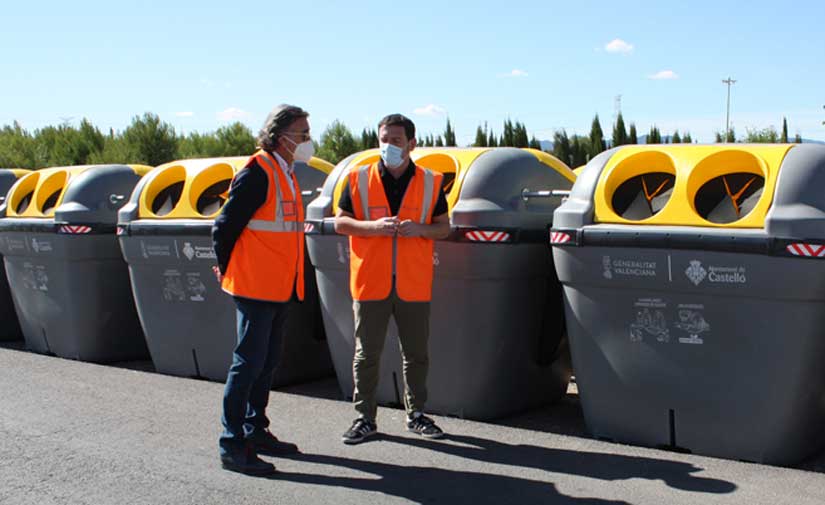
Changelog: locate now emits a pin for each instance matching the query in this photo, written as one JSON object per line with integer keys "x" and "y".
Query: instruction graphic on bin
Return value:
{"x": 694, "y": 321}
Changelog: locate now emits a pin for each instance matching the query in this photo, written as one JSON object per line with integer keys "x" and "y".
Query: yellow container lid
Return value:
{"x": 453, "y": 162}
{"x": 37, "y": 194}
{"x": 195, "y": 188}
{"x": 721, "y": 185}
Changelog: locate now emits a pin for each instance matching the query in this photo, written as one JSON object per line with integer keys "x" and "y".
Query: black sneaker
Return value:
{"x": 247, "y": 462}
{"x": 424, "y": 426}
{"x": 268, "y": 444}
{"x": 361, "y": 429}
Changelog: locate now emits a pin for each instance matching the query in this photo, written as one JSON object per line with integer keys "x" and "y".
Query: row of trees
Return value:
{"x": 767, "y": 135}
{"x": 150, "y": 141}
{"x": 147, "y": 140}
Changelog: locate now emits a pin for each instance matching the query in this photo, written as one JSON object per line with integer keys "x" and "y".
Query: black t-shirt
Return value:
{"x": 394, "y": 189}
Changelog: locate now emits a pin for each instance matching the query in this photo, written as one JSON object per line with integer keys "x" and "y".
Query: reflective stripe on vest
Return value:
{"x": 374, "y": 260}
{"x": 364, "y": 187}
{"x": 267, "y": 261}
{"x": 280, "y": 224}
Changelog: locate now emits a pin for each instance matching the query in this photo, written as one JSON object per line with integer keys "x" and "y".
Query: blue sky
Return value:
{"x": 548, "y": 64}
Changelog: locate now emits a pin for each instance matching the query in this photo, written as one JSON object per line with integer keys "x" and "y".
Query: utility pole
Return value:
{"x": 728, "y": 81}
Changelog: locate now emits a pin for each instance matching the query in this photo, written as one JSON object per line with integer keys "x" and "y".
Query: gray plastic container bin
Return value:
{"x": 69, "y": 283}
{"x": 9, "y": 325}
{"x": 694, "y": 288}
{"x": 496, "y": 340}
{"x": 189, "y": 322}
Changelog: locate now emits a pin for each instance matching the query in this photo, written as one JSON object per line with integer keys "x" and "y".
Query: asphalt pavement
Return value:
{"x": 80, "y": 433}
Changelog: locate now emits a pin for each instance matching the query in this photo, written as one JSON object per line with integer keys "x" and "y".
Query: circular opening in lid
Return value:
{"x": 49, "y": 191}
{"x": 643, "y": 196}
{"x": 730, "y": 197}
{"x": 213, "y": 198}
{"x": 167, "y": 198}
{"x": 22, "y": 193}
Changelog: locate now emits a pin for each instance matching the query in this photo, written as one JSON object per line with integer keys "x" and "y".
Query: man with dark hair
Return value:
{"x": 259, "y": 243}
{"x": 392, "y": 211}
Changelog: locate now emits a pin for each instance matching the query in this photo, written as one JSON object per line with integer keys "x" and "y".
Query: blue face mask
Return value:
{"x": 393, "y": 156}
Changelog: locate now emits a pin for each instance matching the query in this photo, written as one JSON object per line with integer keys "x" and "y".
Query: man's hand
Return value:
{"x": 386, "y": 226}
{"x": 218, "y": 274}
{"x": 409, "y": 228}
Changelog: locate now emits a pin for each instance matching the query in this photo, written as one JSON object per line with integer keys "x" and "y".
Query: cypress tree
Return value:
{"x": 619, "y": 132}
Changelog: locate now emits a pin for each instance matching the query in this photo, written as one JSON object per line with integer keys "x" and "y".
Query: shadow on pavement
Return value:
{"x": 435, "y": 485}
{"x": 603, "y": 466}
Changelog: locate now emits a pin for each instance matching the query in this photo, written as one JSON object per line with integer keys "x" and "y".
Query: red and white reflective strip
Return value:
{"x": 74, "y": 230}
{"x": 807, "y": 250}
{"x": 559, "y": 237}
{"x": 309, "y": 227}
{"x": 487, "y": 236}
{"x": 121, "y": 230}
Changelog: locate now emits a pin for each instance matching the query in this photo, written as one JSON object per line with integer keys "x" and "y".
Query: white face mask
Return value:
{"x": 393, "y": 156}
{"x": 304, "y": 151}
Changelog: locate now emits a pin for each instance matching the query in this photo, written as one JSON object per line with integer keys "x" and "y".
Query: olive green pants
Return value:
{"x": 371, "y": 321}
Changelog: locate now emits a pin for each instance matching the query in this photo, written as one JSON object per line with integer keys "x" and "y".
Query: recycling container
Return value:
{"x": 9, "y": 325}
{"x": 189, "y": 322}
{"x": 496, "y": 340}
{"x": 68, "y": 281}
{"x": 694, "y": 289}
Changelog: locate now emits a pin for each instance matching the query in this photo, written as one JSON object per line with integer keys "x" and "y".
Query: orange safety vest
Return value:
{"x": 268, "y": 258}
{"x": 373, "y": 260}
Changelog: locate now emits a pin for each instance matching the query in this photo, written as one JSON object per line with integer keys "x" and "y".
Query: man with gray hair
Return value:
{"x": 259, "y": 244}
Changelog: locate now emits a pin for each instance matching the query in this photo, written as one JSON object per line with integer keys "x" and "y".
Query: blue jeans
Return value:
{"x": 256, "y": 355}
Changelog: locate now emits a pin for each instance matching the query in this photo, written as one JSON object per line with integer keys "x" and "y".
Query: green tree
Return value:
{"x": 767, "y": 135}
{"x": 481, "y": 138}
{"x": 449, "y": 135}
{"x": 520, "y": 137}
{"x": 508, "y": 136}
{"x": 633, "y": 137}
{"x": 784, "y": 138}
{"x": 686, "y": 139}
{"x": 619, "y": 132}
{"x": 366, "y": 140}
{"x": 580, "y": 150}
{"x": 337, "y": 142}
{"x": 117, "y": 150}
{"x": 235, "y": 140}
{"x": 731, "y": 135}
{"x": 676, "y": 139}
{"x": 561, "y": 147}
{"x": 534, "y": 143}
{"x": 152, "y": 141}
{"x": 438, "y": 141}
{"x": 597, "y": 144}
{"x": 654, "y": 137}
{"x": 491, "y": 140}
{"x": 719, "y": 138}
{"x": 198, "y": 145}
{"x": 798, "y": 139}
{"x": 17, "y": 147}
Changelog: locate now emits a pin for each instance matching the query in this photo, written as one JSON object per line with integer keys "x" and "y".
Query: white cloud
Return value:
{"x": 430, "y": 110}
{"x": 184, "y": 114}
{"x": 618, "y": 46}
{"x": 232, "y": 114}
{"x": 664, "y": 75}
{"x": 514, "y": 73}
